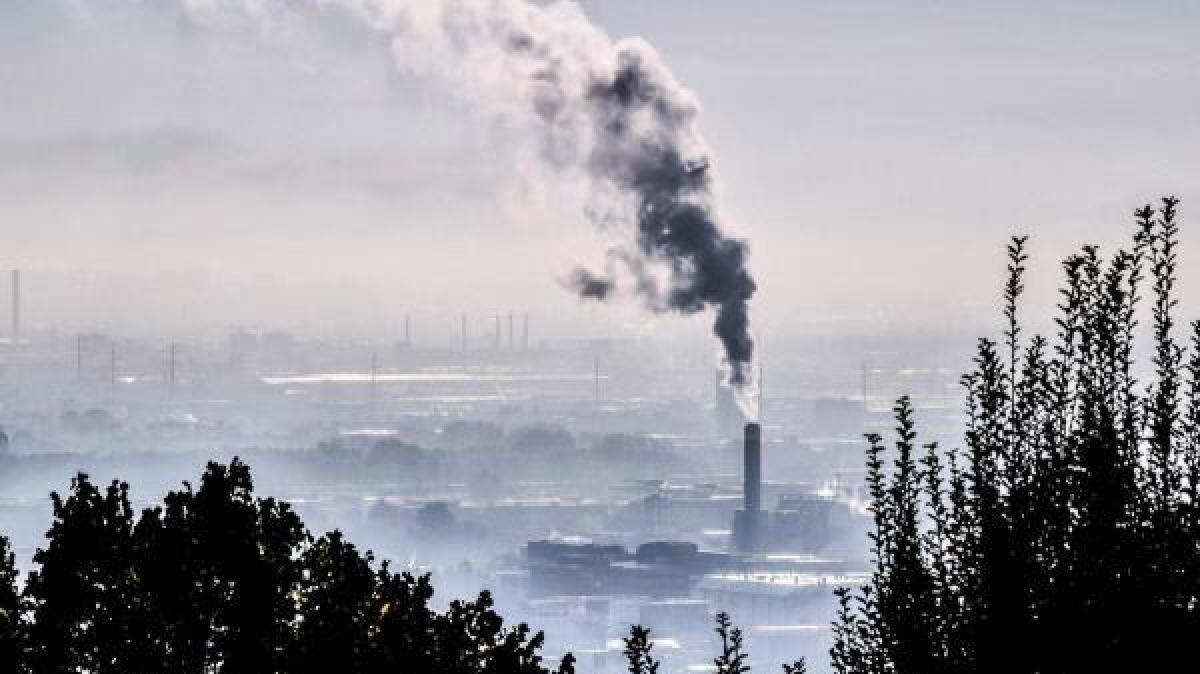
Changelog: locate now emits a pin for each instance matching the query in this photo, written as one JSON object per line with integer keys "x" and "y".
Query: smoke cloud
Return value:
{"x": 608, "y": 113}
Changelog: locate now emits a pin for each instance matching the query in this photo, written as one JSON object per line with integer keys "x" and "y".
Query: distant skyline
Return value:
{"x": 876, "y": 154}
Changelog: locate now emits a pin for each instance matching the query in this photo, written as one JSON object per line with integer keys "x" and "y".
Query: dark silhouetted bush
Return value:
{"x": 216, "y": 580}
{"x": 1064, "y": 535}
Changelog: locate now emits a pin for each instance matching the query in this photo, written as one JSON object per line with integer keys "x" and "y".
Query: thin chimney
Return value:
{"x": 752, "y": 468}
{"x": 16, "y": 306}
{"x": 750, "y": 522}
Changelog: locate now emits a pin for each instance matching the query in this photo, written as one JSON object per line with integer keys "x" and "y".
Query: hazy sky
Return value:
{"x": 161, "y": 175}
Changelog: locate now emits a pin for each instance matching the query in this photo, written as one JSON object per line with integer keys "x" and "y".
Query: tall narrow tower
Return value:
{"x": 750, "y": 522}
{"x": 16, "y": 307}
{"x": 752, "y": 467}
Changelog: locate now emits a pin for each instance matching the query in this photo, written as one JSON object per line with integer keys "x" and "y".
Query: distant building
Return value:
{"x": 809, "y": 523}
{"x": 776, "y": 598}
{"x": 657, "y": 569}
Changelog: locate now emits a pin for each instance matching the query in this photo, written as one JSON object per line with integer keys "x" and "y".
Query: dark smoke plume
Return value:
{"x": 675, "y": 224}
{"x": 589, "y": 285}
{"x": 609, "y": 112}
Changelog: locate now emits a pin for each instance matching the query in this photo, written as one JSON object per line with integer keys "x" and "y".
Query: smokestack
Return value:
{"x": 407, "y": 330}
{"x": 750, "y": 522}
{"x": 463, "y": 333}
{"x": 525, "y": 333}
{"x": 752, "y": 468}
{"x": 16, "y": 307}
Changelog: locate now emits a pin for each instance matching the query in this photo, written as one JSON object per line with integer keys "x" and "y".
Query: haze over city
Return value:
{"x": 618, "y": 313}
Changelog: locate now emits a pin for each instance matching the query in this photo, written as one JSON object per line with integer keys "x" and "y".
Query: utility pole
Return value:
{"x": 171, "y": 373}
{"x": 865, "y": 373}
{"x": 374, "y": 376}
{"x": 16, "y": 307}
{"x": 408, "y": 330}
{"x": 596, "y": 369}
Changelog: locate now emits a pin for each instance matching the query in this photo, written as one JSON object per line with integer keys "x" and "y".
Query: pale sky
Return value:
{"x": 876, "y": 156}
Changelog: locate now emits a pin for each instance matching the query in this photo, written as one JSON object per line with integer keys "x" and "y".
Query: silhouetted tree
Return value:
{"x": 1063, "y": 535}
{"x": 732, "y": 659}
{"x": 637, "y": 651}
{"x": 86, "y": 599}
{"x": 216, "y": 580}
{"x": 797, "y": 667}
{"x": 336, "y": 608}
{"x": 12, "y": 611}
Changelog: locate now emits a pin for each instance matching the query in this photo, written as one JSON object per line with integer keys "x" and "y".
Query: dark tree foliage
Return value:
{"x": 732, "y": 659}
{"x": 637, "y": 651}
{"x": 12, "y": 642}
{"x": 1064, "y": 534}
{"x": 216, "y": 580}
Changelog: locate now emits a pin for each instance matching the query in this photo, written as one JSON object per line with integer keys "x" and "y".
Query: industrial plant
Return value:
{"x": 588, "y": 483}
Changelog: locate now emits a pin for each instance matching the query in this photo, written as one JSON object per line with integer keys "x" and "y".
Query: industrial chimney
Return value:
{"x": 750, "y": 522}
{"x": 752, "y": 467}
{"x": 16, "y": 307}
